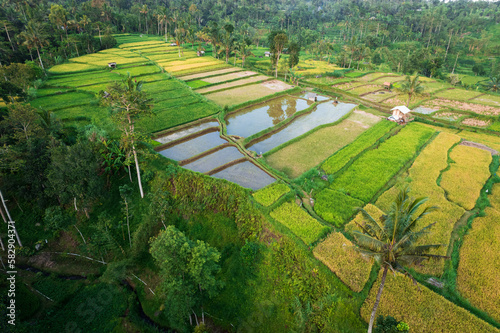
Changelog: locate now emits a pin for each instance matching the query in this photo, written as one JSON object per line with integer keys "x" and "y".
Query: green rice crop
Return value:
{"x": 138, "y": 70}
{"x": 197, "y": 83}
{"x": 73, "y": 67}
{"x": 270, "y": 194}
{"x": 63, "y": 100}
{"x": 299, "y": 222}
{"x": 365, "y": 140}
{"x": 368, "y": 174}
{"x": 176, "y": 102}
{"x": 176, "y": 116}
{"x": 49, "y": 91}
{"x": 336, "y": 207}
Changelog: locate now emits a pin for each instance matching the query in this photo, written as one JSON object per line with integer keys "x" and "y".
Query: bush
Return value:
{"x": 55, "y": 219}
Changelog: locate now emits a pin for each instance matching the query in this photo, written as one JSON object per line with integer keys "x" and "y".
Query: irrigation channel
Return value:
{"x": 202, "y": 146}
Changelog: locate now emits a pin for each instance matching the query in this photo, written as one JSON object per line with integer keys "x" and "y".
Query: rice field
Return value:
{"x": 73, "y": 67}
{"x": 479, "y": 266}
{"x": 487, "y": 99}
{"x": 244, "y": 94}
{"x": 465, "y": 178}
{"x": 366, "y": 176}
{"x": 339, "y": 255}
{"x": 228, "y": 77}
{"x": 464, "y": 106}
{"x": 458, "y": 94}
{"x": 270, "y": 194}
{"x": 210, "y": 73}
{"x": 299, "y": 222}
{"x": 63, "y": 100}
{"x": 422, "y": 309}
{"x": 311, "y": 150}
{"x": 232, "y": 84}
{"x": 365, "y": 89}
{"x": 423, "y": 175}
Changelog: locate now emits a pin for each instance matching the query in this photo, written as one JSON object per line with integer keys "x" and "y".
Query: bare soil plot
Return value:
{"x": 304, "y": 154}
{"x": 209, "y": 73}
{"x": 476, "y": 122}
{"x": 476, "y": 108}
{"x": 244, "y": 94}
{"x": 227, "y": 77}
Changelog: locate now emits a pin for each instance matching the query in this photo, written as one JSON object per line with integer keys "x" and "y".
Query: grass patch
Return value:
{"x": 270, "y": 194}
{"x": 233, "y": 84}
{"x": 299, "y": 222}
{"x": 465, "y": 178}
{"x": 338, "y": 254}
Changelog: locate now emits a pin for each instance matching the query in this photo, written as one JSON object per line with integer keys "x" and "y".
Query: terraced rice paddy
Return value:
{"x": 246, "y": 174}
{"x": 256, "y": 118}
{"x": 311, "y": 150}
{"x": 324, "y": 113}
{"x": 338, "y": 254}
{"x": 418, "y": 307}
{"x": 248, "y": 93}
{"x": 193, "y": 147}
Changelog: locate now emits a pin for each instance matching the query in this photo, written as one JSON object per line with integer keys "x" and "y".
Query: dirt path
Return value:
{"x": 479, "y": 146}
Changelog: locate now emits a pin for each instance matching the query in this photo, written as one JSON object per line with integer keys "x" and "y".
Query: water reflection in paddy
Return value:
{"x": 319, "y": 98}
{"x": 257, "y": 118}
{"x": 214, "y": 160}
{"x": 193, "y": 147}
{"x": 184, "y": 132}
{"x": 246, "y": 174}
{"x": 324, "y": 113}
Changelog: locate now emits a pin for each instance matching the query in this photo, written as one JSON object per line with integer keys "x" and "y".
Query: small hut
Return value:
{"x": 267, "y": 54}
{"x": 387, "y": 85}
{"x": 312, "y": 97}
{"x": 400, "y": 113}
{"x": 112, "y": 64}
{"x": 200, "y": 53}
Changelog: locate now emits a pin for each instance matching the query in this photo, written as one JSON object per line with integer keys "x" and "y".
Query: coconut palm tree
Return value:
{"x": 243, "y": 50}
{"x": 144, "y": 10}
{"x": 411, "y": 87}
{"x": 35, "y": 38}
{"x": 392, "y": 241}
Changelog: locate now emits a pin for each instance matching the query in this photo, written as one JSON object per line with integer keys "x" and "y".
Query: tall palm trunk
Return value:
{"x": 7, "y": 31}
{"x": 39, "y": 58}
{"x": 375, "y": 306}
{"x": 135, "y": 158}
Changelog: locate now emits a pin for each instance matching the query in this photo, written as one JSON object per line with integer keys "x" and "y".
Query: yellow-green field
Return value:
{"x": 310, "y": 151}
{"x": 423, "y": 174}
{"x": 479, "y": 267}
{"x": 339, "y": 254}
{"x": 467, "y": 175}
{"x": 424, "y": 311}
